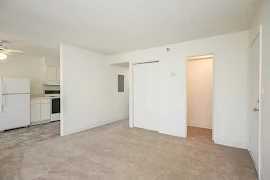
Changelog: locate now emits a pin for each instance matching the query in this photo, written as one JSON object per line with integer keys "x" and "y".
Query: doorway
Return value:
{"x": 200, "y": 73}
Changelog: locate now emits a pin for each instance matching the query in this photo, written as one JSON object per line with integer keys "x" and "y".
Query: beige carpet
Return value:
{"x": 117, "y": 152}
{"x": 27, "y": 136}
{"x": 199, "y": 134}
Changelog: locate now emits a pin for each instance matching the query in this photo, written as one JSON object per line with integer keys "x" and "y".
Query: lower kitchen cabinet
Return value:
{"x": 45, "y": 111}
{"x": 35, "y": 113}
{"x": 40, "y": 110}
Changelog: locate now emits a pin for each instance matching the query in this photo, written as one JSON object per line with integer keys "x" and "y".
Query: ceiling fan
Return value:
{"x": 4, "y": 51}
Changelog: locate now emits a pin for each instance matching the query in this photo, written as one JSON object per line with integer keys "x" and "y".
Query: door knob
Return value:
{"x": 255, "y": 109}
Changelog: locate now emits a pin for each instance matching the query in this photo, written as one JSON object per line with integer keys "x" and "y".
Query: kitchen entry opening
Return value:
{"x": 200, "y": 97}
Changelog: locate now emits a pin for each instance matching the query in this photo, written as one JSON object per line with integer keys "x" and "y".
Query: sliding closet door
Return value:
{"x": 152, "y": 95}
{"x": 139, "y": 95}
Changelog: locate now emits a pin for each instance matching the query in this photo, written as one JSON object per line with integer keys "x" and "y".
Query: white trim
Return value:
{"x": 176, "y": 134}
{"x": 199, "y": 126}
{"x": 259, "y": 174}
{"x": 249, "y": 96}
{"x": 257, "y": 36}
{"x": 233, "y": 144}
{"x": 62, "y": 91}
{"x": 254, "y": 164}
{"x": 260, "y": 104}
{"x": 215, "y": 99}
{"x": 39, "y": 122}
{"x": 131, "y": 124}
{"x": 145, "y": 62}
{"x": 90, "y": 127}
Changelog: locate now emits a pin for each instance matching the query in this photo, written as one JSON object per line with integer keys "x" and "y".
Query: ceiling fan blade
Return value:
{"x": 9, "y": 53}
{"x": 14, "y": 51}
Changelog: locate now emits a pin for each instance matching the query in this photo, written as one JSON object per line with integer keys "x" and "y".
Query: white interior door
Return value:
{"x": 152, "y": 94}
{"x": 139, "y": 95}
{"x": 254, "y": 101}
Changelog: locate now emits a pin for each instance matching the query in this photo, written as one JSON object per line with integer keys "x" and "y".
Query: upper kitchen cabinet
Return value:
{"x": 50, "y": 61}
{"x": 51, "y": 73}
{"x": 51, "y": 70}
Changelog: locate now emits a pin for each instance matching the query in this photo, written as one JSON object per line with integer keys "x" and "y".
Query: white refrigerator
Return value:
{"x": 14, "y": 103}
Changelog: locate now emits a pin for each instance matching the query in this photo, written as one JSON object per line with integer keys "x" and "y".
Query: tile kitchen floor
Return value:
{"x": 29, "y": 135}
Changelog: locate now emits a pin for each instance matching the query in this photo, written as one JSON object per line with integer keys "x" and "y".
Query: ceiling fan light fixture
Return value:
{"x": 2, "y": 56}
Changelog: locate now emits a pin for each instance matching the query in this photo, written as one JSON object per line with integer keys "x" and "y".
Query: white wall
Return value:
{"x": 89, "y": 96}
{"x": 231, "y": 84}
{"x": 199, "y": 92}
{"x": 263, "y": 18}
{"x": 23, "y": 66}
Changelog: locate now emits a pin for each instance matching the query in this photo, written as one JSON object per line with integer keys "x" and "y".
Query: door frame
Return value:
{"x": 258, "y": 36}
{"x": 214, "y": 95}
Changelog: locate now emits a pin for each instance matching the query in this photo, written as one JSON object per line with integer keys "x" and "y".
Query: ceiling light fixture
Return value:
{"x": 3, "y": 56}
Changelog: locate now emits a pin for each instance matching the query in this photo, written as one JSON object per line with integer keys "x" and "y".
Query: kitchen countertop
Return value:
{"x": 39, "y": 96}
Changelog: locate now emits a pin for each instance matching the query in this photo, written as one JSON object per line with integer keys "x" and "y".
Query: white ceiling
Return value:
{"x": 115, "y": 26}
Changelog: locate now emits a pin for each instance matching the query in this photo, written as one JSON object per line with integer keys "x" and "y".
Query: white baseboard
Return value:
{"x": 92, "y": 126}
{"x": 199, "y": 126}
{"x": 236, "y": 145}
{"x": 40, "y": 122}
{"x": 254, "y": 163}
{"x": 177, "y": 134}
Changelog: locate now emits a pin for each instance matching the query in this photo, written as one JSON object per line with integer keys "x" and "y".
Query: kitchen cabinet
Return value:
{"x": 35, "y": 113}
{"x": 50, "y": 70}
{"x": 51, "y": 73}
{"x": 50, "y": 61}
{"x": 40, "y": 110}
{"x": 45, "y": 111}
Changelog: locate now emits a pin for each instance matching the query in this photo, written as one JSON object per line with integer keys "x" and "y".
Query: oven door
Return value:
{"x": 55, "y": 105}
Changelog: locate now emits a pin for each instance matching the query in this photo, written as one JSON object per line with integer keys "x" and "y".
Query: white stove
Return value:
{"x": 55, "y": 105}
